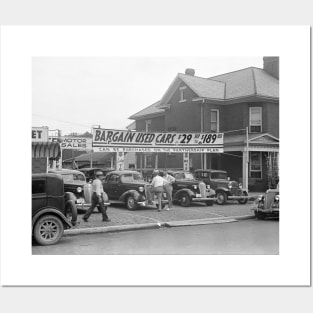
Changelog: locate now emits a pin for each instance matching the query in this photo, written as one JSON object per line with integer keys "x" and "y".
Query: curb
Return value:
{"x": 110, "y": 229}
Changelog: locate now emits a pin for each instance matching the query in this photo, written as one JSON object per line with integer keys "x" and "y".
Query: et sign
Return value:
{"x": 40, "y": 134}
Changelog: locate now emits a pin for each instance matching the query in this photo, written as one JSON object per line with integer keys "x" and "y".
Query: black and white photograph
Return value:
{"x": 143, "y": 156}
{"x": 157, "y": 156}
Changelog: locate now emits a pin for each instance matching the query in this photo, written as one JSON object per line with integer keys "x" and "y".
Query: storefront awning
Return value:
{"x": 46, "y": 149}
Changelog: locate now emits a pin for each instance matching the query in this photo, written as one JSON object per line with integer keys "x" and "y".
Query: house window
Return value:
{"x": 148, "y": 161}
{"x": 182, "y": 94}
{"x": 255, "y": 165}
{"x": 215, "y": 121}
{"x": 148, "y": 125}
{"x": 255, "y": 120}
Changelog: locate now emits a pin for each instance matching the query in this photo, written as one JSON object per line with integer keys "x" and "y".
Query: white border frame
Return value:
{"x": 19, "y": 44}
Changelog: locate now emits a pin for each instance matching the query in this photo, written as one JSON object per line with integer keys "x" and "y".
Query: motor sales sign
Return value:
{"x": 76, "y": 143}
{"x": 110, "y": 140}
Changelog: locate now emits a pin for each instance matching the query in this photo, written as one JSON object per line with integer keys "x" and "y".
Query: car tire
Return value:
{"x": 243, "y": 201}
{"x": 71, "y": 212}
{"x": 184, "y": 200}
{"x": 131, "y": 203}
{"x": 48, "y": 230}
{"x": 221, "y": 197}
{"x": 260, "y": 215}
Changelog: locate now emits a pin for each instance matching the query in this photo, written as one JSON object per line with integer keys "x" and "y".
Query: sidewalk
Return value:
{"x": 148, "y": 217}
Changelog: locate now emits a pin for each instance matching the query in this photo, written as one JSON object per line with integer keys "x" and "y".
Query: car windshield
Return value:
{"x": 70, "y": 178}
{"x": 131, "y": 177}
{"x": 188, "y": 176}
{"x": 219, "y": 175}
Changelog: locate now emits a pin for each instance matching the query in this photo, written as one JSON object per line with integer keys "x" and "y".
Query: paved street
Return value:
{"x": 242, "y": 237}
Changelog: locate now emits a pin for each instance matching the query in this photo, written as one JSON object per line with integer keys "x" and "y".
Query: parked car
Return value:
{"x": 127, "y": 187}
{"x": 89, "y": 172}
{"x": 77, "y": 187}
{"x": 50, "y": 208}
{"x": 268, "y": 204}
{"x": 225, "y": 188}
{"x": 187, "y": 189}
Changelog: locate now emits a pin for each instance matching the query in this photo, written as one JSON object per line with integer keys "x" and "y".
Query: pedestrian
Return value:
{"x": 157, "y": 187}
{"x": 97, "y": 198}
{"x": 168, "y": 188}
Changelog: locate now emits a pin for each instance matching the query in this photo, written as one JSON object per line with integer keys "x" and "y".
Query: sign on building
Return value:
{"x": 110, "y": 140}
{"x": 76, "y": 143}
{"x": 40, "y": 134}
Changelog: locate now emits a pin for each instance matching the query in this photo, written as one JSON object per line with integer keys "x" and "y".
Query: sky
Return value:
{"x": 75, "y": 93}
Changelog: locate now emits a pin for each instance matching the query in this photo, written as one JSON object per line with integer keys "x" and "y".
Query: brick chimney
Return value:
{"x": 190, "y": 71}
{"x": 271, "y": 66}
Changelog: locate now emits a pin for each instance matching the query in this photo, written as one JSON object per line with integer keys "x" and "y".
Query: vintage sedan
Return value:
{"x": 225, "y": 188}
{"x": 129, "y": 188}
{"x": 186, "y": 189}
{"x": 267, "y": 205}
{"x": 77, "y": 188}
{"x": 50, "y": 208}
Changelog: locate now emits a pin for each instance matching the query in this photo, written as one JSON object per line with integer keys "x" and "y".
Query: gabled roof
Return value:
{"x": 151, "y": 110}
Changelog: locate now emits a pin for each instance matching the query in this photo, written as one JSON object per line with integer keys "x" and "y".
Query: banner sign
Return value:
{"x": 109, "y": 140}
{"x": 40, "y": 134}
{"x": 76, "y": 143}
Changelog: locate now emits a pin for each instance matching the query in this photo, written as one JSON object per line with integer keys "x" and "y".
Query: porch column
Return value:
{"x": 156, "y": 161}
{"x": 205, "y": 161}
{"x": 245, "y": 170}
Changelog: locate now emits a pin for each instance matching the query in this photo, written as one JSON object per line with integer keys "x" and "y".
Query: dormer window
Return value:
{"x": 182, "y": 94}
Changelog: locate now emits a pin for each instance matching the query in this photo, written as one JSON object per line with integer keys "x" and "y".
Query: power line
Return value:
{"x": 61, "y": 121}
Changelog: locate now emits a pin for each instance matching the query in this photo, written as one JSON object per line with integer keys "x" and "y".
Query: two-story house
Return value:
{"x": 244, "y": 105}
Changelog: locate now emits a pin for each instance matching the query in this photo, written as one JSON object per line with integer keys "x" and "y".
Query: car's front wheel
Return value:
{"x": 243, "y": 201}
{"x": 131, "y": 203}
{"x": 184, "y": 200}
{"x": 221, "y": 197}
{"x": 48, "y": 230}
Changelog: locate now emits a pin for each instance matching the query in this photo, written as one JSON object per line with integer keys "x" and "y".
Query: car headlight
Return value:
{"x": 79, "y": 189}
{"x": 277, "y": 198}
{"x": 240, "y": 185}
{"x": 260, "y": 197}
{"x": 229, "y": 185}
{"x": 141, "y": 189}
{"x": 208, "y": 186}
{"x": 195, "y": 186}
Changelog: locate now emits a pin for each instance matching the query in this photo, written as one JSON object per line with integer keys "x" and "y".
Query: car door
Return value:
{"x": 39, "y": 195}
{"x": 111, "y": 186}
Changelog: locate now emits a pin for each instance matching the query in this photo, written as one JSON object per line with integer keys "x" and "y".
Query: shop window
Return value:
{"x": 182, "y": 94}
{"x": 255, "y": 121}
{"x": 38, "y": 186}
{"x": 215, "y": 121}
{"x": 148, "y": 161}
{"x": 255, "y": 165}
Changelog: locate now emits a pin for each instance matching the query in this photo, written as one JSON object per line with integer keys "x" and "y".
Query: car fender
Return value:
{"x": 184, "y": 190}
{"x": 222, "y": 189}
{"x": 53, "y": 211}
{"x": 133, "y": 193}
{"x": 70, "y": 196}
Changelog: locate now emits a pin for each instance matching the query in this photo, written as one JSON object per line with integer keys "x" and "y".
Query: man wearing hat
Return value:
{"x": 157, "y": 187}
{"x": 97, "y": 198}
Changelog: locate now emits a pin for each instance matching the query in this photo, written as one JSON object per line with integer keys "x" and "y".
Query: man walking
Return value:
{"x": 97, "y": 198}
{"x": 168, "y": 188}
